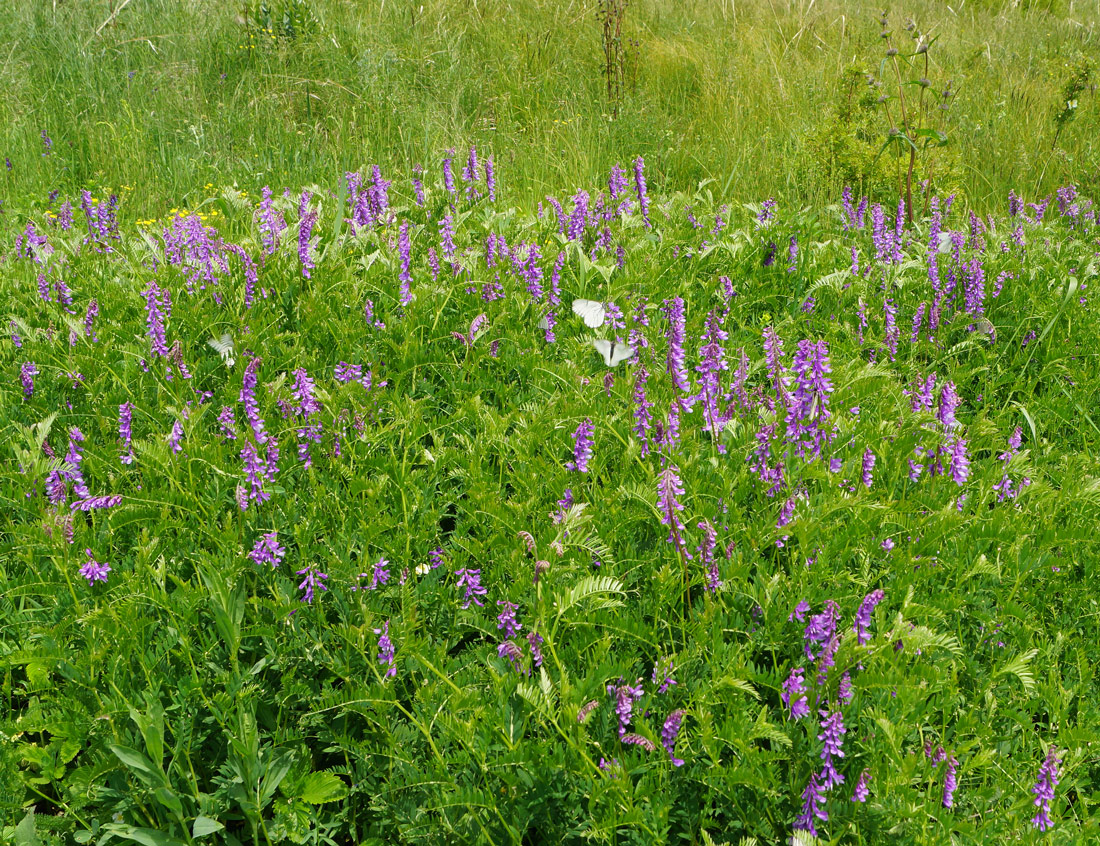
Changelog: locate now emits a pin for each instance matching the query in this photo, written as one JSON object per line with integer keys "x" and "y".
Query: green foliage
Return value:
{"x": 193, "y": 697}
{"x": 171, "y": 96}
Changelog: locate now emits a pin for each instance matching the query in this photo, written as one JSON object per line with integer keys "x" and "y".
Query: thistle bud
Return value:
{"x": 922, "y": 47}
{"x": 893, "y": 51}
{"x": 924, "y": 83}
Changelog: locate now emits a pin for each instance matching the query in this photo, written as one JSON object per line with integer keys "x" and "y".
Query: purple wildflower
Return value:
{"x": 799, "y": 612}
{"x": 96, "y": 502}
{"x": 949, "y": 782}
{"x": 227, "y": 423}
{"x": 844, "y": 689}
{"x": 821, "y": 628}
{"x": 707, "y": 557}
{"x": 669, "y": 732}
{"x": 306, "y": 220}
{"x": 813, "y": 798}
{"x": 625, "y": 697}
{"x": 867, "y": 467}
{"x": 93, "y": 570}
{"x": 404, "y": 247}
{"x": 89, "y": 320}
{"x": 1044, "y": 790}
{"x": 535, "y": 641}
{"x": 674, "y": 312}
{"x": 507, "y": 618}
{"x": 640, "y": 187}
{"x": 254, "y": 475}
{"x": 578, "y": 220}
{"x": 310, "y": 583}
{"x": 862, "y": 622}
{"x": 586, "y": 709}
{"x": 270, "y": 221}
{"x": 27, "y": 373}
{"x": 638, "y": 740}
{"x": 447, "y": 235}
{"x": 471, "y": 581}
{"x": 949, "y": 402}
{"x": 385, "y": 651}
{"x": 510, "y": 650}
{"x": 248, "y": 398}
{"x": 663, "y": 669}
{"x": 155, "y": 301}
{"x": 174, "y": 437}
{"x": 267, "y": 550}
{"x": 643, "y": 421}
{"x": 490, "y": 179}
{"x": 832, "y": 729}
{"x": 808, "y": 409}
{"x": 582, "y": 447}
{"x": 793, "y": 695}
{"x": 380, "y": 574}
{"x": 861, "y": 791}
{"x": 669, "y": 487}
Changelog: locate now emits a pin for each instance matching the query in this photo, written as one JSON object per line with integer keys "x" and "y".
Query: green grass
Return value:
{"x": 193, "y": 697}
{"x": 743, "y": 93}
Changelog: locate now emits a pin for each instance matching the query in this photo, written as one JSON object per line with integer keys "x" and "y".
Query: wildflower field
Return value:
{"x": 418, "y": 505}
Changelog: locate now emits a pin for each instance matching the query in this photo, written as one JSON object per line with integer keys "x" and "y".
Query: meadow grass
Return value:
{"x": 758, "y": 96}
{"x": 324, "y": 519}
{"x": 327, "y": 522}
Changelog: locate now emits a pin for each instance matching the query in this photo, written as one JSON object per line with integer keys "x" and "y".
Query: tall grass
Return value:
{"x": 170, "y": 95}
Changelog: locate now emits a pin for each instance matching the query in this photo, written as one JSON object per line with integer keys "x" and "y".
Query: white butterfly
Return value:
{"x": 591, "y": 311}
{"x": 613, "y": 354}
{"x": 224, "y": 348}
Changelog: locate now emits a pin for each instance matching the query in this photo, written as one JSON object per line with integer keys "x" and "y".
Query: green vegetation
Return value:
{"x": 647, "y": 479}
{"x": 173, "y": 94}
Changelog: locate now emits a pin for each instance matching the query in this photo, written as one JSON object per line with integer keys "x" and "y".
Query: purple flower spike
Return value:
{"x": 385, "y": 651}
{"x": 832, "y": 731}
{"x": 793, "y": 696}
{"x": 625, "y": 697}
{"x": 863, "y": 616}
{"x": 27, "y": 373}
{"x": 862, "y": 791}
{"x": 640, "y": 186}
{"x": 471, "y": 581}
{"x": 813, "y": 798}
{"x": 868, "y": 466}
{"x": 267, "y": 550}
{"x": 507, "y": 619}
{"x": 93, "y": 570}
{"x": 582, "y": 447}
{"x": 94, "y": 503}
{"x": 949, "y": 782}
{"x": 669, "y": 732}
{"x": 1044, "y": 790}
{"x": 669, "y": 487}
{"x": 310, "y": 583}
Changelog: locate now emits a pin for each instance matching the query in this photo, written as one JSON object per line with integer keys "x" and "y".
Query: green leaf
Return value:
{"x": 588, "y": 587}
{"x": 146, "y": 836}
{"x": 1021, "y": 669}
{"x": 25, "y": 834}
{"x": 134, "y": 760}
{"x": 204, "y": 826}
{"x": 318, "y": 788}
